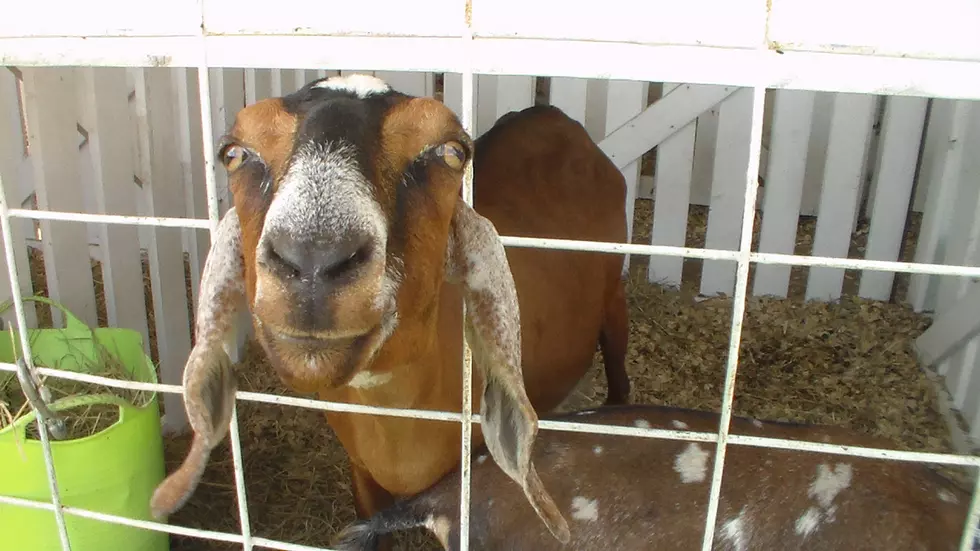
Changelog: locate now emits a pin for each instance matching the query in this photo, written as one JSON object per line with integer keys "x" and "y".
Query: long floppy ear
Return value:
{"x": 475, "y": 257}
{"x": 209, "y": 382}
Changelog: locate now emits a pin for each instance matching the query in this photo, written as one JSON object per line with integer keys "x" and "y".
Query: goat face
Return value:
{"x": 339, "y": 187}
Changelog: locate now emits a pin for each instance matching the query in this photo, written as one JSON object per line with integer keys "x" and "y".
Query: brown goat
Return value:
{"x": 357, "y": 253}
{"x": 631, "y": 494}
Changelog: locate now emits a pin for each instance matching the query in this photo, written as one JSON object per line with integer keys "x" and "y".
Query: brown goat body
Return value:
{"x": 634, "y": 493}
{"x": 350, "y": 246}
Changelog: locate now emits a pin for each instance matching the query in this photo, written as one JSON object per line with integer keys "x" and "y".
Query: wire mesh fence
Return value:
{"x": 935, "y": 81}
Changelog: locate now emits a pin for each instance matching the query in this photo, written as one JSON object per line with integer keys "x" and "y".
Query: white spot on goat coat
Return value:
{"x": 824, "y": 489}
{"x": 641, "y": 424}
{"x": 360, "y": 85}
{"x": 808, "y": 522}
{"x": 679, "y": 425}
{"x": 366, "y": 379}
{"x": 947, "y": 496}
{"x": 736, "y": 532}
{"x": 585, "y": 509}
{"x": 829, "y": 483}
{"x": 692, "y": 464}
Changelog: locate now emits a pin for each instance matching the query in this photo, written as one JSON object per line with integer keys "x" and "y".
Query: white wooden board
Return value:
{"x": 843, "y": 171}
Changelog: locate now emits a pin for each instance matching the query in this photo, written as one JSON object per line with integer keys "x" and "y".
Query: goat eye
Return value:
{"x": 234, "y": 156}
{"x": 452, "y": 154}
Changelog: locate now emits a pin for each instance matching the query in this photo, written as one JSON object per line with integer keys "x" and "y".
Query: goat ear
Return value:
{"x": 475, "y": 256}
{"x": 209, "y": 382}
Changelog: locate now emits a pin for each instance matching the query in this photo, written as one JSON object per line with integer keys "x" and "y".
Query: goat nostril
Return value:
{"x": 349, "y": 263}
{"x": 282, "y": 261}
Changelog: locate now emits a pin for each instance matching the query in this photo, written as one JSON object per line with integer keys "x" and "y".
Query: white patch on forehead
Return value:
{"x": 641, "y": 424}
{"x": 597, "y": 450}
{"x": 829, "y": 483}
{"x": 808, "y": 522}
{"x": 947, "y": 496}
{"x": 360, "y": 85}
{"x": 679, "y": 425}
{"x": 757, "y": 423}
{"x": 736, "y": 532}
{"x": 481, "y": 459}
{"x": 367, "y": 379}
{"x": 692, "y": 464}
{"x": 585, "y": 509}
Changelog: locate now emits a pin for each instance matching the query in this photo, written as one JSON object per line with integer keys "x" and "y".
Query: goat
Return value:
{"x": 631, "y": 493}
{"x": 350, "y": 245}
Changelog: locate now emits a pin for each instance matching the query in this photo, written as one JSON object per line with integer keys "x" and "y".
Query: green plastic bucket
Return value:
{"x": 113, "y": 471}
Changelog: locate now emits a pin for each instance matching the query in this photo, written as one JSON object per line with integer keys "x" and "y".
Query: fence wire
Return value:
{"x": 743, "y": 256}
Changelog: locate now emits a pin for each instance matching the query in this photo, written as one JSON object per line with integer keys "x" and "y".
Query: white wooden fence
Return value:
{"x": 128, "y": 141}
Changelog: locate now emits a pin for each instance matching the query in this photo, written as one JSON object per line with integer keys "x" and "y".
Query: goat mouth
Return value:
{"x": 315, "y": 341}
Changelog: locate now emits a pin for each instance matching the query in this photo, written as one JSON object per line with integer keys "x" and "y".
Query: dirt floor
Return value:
{"x": 847, "y": 364}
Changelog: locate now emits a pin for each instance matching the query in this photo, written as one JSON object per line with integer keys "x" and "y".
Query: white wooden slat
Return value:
{"x": 597, "y": 93}
{"x": 258, "y": 85}
{"x": 672, "y": 191}
{"x": 452, "y": 92}
{"x": 963, "y": 240}
{"x": 850, "y": 129}
{"x": 792, "y": 120}
{"x": 946, "y": 135}
{"x": 627, "y": 140}
{"x": 300, "y": 78}
{"x": 626, "y": 99}
{"x": 411, "y": 83}
{"x": 736, "y": 23}
{"x": 727, "y": 190}
{"x": 971, "y": 406}
{"x": 104, "y": 94}
{"x": 823, "y": 112}
{"x": 187, "y": 117}
{"x": 946, "y": 30}
{"x": 276, "y": 84}
{"x": 961, "y": 368}
{"x": 702, "y": 173}
{"x": 514, "y": 93}
{"x": 11, "y": 159}
{"x": 52, "y": 118}
{"x": 431, "y": 19}
{"x": 165, "y": 198}
{"x": 963, "y": 248}
{"x": 951, "y": 330}
{"x": 103, "y": 18}
{"x": 571, "y": 96}
{"x": 227, "y": 98}
{"x": 927, "y": 161}
{"x": 901, "y": 136}
{"x": 485, "y": 103}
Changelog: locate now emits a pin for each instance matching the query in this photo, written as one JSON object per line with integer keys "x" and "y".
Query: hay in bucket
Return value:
{"x": 83, "y": 420}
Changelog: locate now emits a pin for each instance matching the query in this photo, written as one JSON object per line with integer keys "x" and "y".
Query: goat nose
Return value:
{"x": 320, "y": 260}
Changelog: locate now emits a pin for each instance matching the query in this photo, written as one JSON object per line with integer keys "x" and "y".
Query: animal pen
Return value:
{"x": 855, "y": 147}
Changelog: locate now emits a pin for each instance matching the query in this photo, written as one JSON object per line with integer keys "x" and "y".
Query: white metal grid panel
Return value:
{"x": 758, "y": 68}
